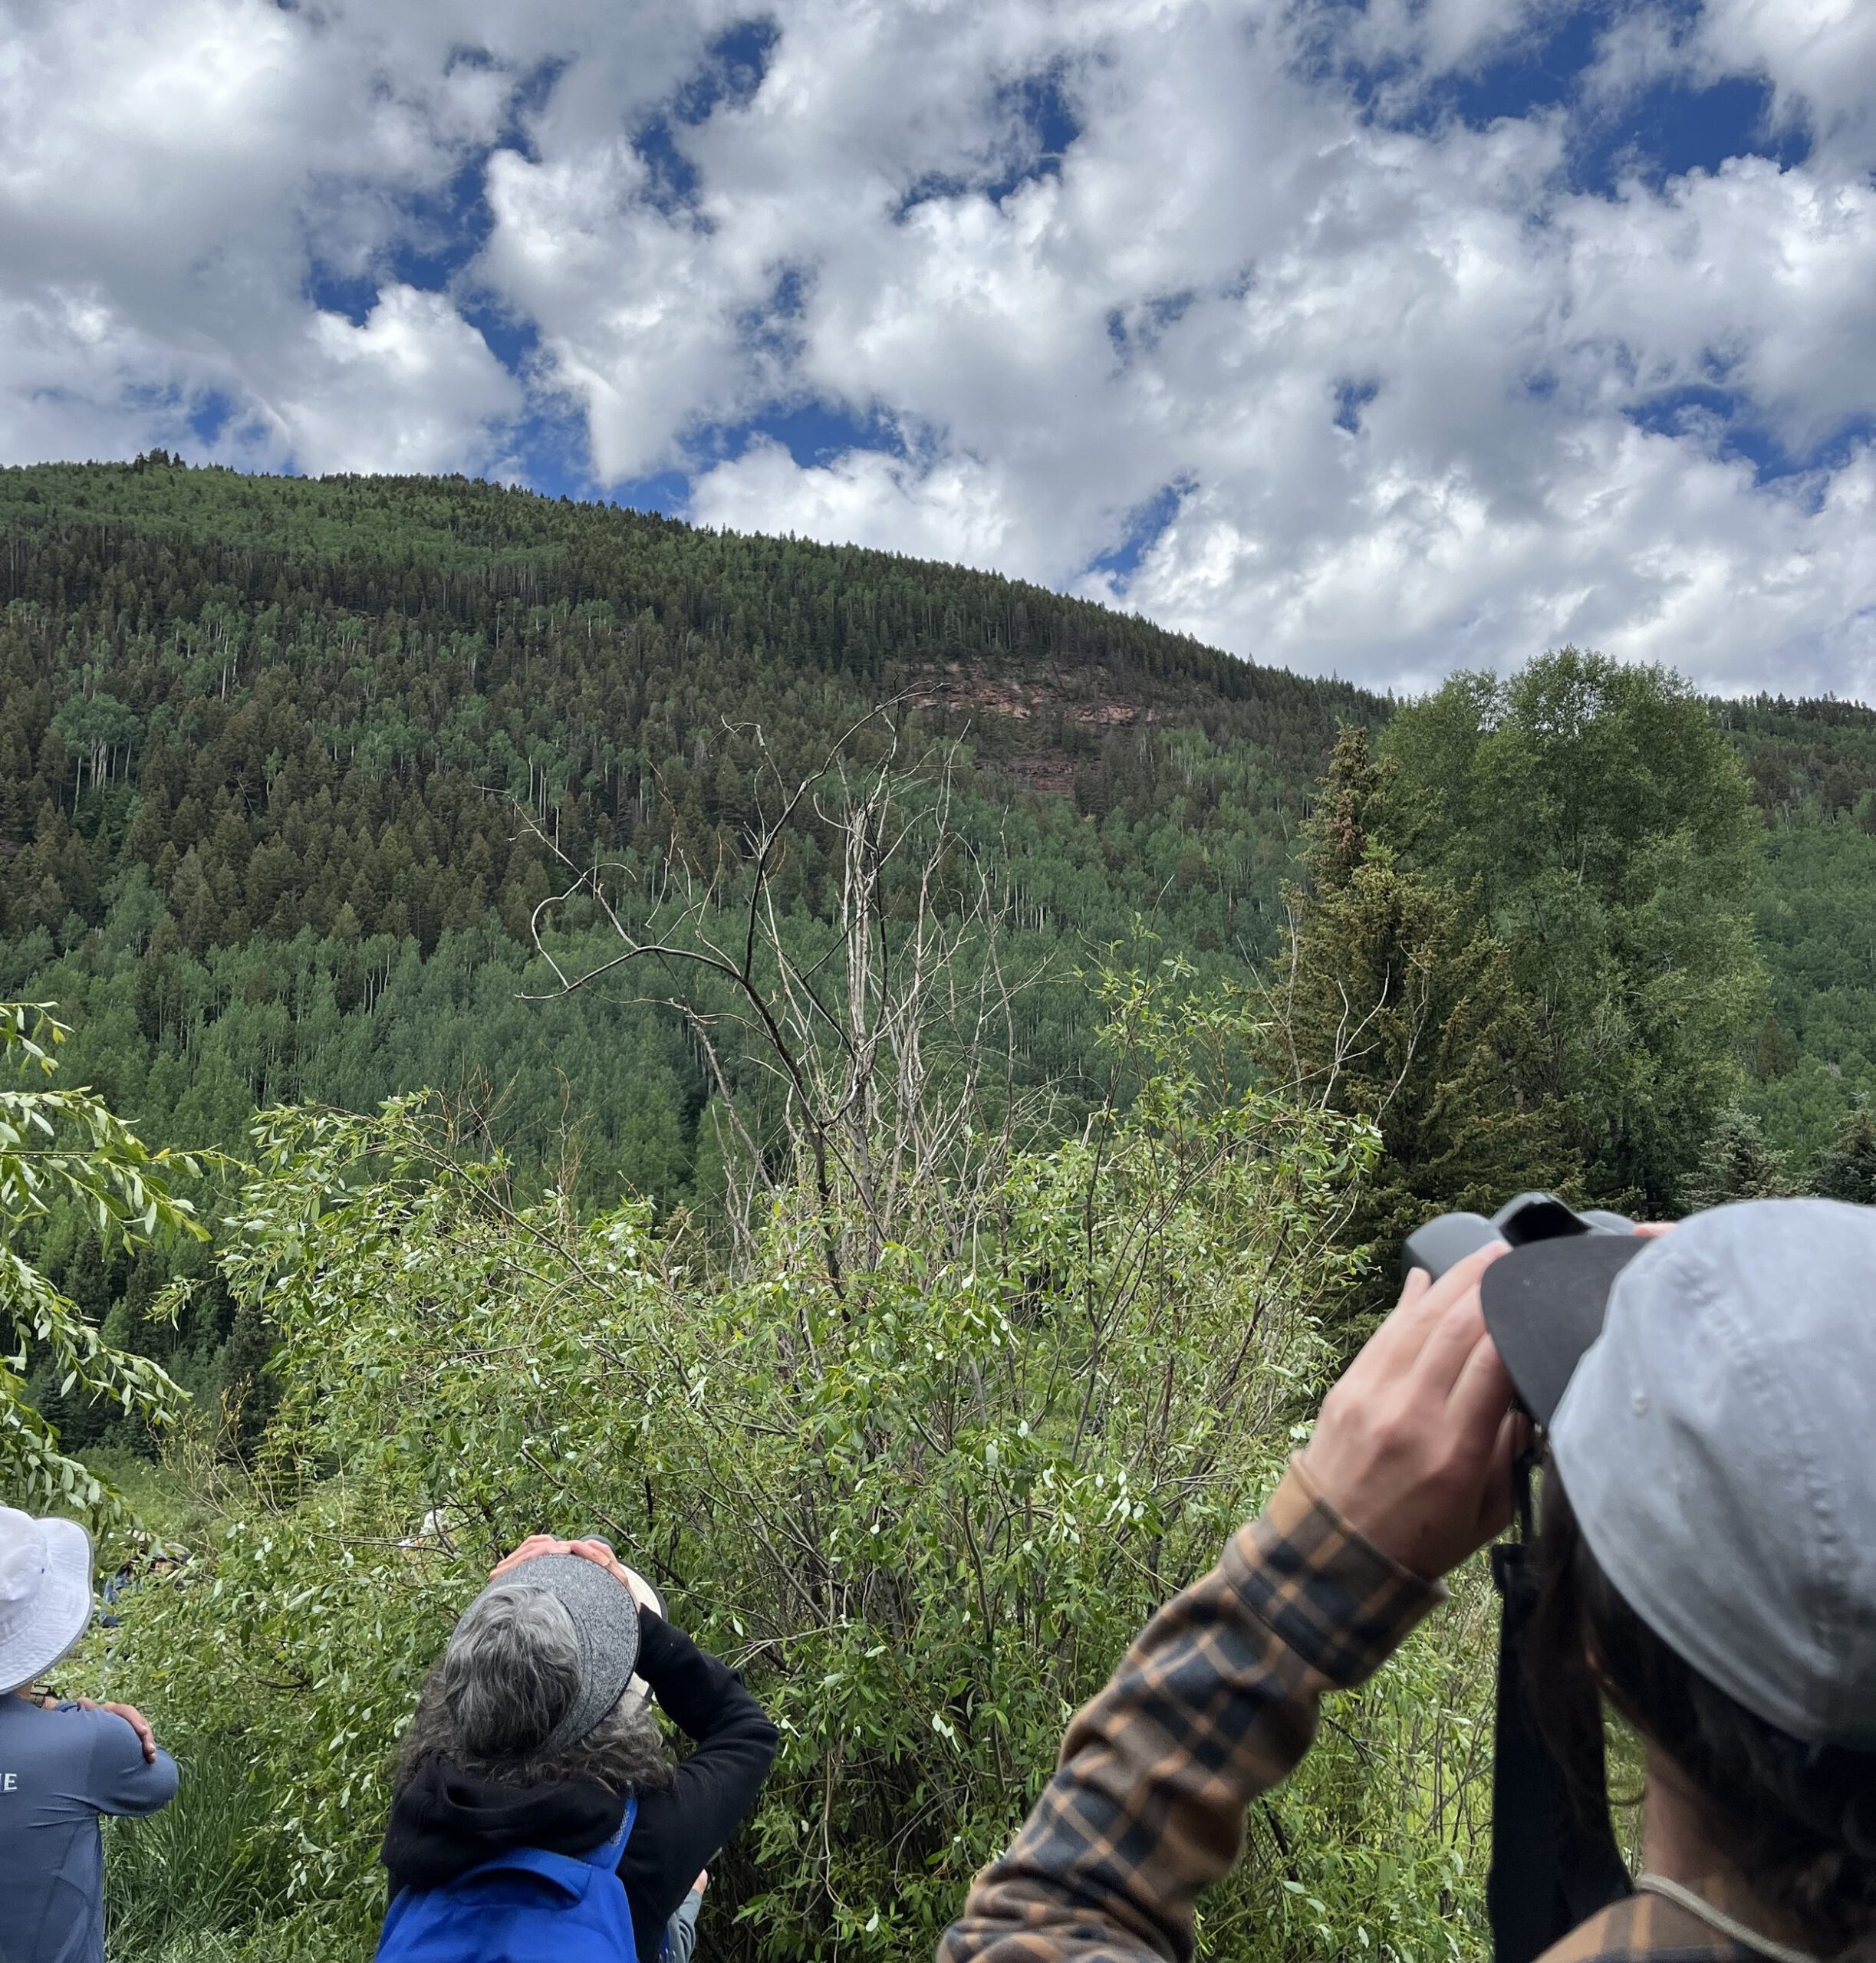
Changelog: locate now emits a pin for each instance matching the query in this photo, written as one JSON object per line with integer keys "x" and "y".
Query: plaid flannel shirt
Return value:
{"x": 1214, "y": 1704}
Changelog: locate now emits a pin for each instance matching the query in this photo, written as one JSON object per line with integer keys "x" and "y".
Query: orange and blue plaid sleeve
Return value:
{"x": 1215, "y": 1702}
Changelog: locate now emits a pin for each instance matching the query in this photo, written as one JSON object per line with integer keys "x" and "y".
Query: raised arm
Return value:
{"x": 681, "y": 1829}
{"x": 1212, "y": 1706}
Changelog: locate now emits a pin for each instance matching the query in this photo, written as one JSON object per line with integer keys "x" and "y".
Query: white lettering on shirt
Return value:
{"x": 9, "y": 1782}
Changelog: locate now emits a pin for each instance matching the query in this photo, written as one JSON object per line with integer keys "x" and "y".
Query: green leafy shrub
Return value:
{"x": 67, "y": 1149}
{"x": 925, "y": 1508}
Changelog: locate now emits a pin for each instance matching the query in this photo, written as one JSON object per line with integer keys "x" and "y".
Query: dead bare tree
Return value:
{"x": 878, "y": 1056}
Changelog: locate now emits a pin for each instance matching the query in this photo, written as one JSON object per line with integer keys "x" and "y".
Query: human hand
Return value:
{"x": 1414, "y": 1446}
{"x": 701, "y": 1882}
{"x": 596, "y": 1551}
{"x": 135, "y": 1719}
{"x": 535, "y": 1543}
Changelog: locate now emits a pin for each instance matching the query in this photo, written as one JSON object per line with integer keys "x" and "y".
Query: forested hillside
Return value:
{"x": 282, "y": 764}
{"x": 284, "y": 767}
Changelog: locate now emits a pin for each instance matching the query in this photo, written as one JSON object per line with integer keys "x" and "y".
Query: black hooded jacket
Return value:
{"x": 445, "y": 1822}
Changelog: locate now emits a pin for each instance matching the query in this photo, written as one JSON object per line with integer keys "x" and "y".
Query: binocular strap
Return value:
{"x": 1553, "y": 1858}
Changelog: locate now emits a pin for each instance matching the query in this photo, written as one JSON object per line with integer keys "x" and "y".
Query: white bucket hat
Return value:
{"x": 45, "y": 1592}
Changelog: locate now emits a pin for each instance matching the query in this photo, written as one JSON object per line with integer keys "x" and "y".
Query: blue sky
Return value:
{"x": 1371, "y": 338}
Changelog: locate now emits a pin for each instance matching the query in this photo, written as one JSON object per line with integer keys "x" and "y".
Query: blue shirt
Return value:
{"x": 59, "y": 1771}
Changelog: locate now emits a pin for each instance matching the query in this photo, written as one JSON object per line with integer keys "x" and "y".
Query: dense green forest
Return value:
{"x": 284, "y": 766}
{"x": 928, "y": 1074}
{"x": 280, "y": 759}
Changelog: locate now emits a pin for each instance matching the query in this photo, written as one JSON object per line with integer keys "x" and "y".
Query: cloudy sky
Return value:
{"x": 1372, "y": 338}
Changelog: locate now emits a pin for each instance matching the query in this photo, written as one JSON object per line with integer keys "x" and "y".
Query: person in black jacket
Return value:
{"x": 535, "y": 1726}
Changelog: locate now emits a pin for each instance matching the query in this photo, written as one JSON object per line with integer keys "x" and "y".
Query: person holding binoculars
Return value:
{"x": 1701, "y": 1399}
{"x": 536, "y": 1811}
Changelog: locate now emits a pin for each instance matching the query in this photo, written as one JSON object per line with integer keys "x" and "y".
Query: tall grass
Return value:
{"x": 188, "y": 1884}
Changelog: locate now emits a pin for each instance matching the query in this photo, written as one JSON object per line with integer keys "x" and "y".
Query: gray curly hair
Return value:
{"x": 510, "y": 1673}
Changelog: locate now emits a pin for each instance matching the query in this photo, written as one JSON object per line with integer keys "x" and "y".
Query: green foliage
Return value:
{"x": 289, "y": 772}
{"x": 1736, "y": 1163}
{"x": 925, "y": 1509}
{"x": 197, "y": 1873}
{"x": 1846, "y": 1168}
{"x": 1813, "y": 770}
{"x": 1602, "y": 828}
{"x": 1399, "y": 1007}
{"x": 287, "y": 767}
{"x": 60, "y": 1146}
{"x": 296, "y": 705}
{"x": 284, "y": 764}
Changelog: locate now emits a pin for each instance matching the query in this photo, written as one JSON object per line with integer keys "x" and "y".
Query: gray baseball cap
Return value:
{"x": 605, "y": 1613}
{"x": 1709, "y": 1396}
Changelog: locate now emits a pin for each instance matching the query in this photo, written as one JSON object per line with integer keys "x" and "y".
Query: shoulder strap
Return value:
{"x": 607, "y": 1855}
{"x": 1553, "y": 1858}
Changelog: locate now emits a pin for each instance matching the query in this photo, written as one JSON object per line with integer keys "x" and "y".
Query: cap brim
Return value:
{"x": 1544, "y": 1306}
{"x": 61, "y": 1611}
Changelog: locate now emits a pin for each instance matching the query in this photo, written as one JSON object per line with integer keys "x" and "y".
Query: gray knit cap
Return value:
{"x": 605, "y": 1614}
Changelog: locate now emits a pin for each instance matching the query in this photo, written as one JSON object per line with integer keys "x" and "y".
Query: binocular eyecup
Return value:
{"x": 1449, "y": 1238}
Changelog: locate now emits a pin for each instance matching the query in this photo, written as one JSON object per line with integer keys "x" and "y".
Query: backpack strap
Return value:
{"x": 607, "y": 1854}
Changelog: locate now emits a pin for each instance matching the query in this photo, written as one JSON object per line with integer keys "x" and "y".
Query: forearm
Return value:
{"x": 683, "y": 1930}
{"x": 682, "y": 1826}
{"x": 702, "y": 1696}
{"x": 1214, "y": 1704}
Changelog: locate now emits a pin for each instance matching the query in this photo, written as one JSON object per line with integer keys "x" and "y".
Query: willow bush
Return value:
{"x": 65, "y": 1148}
{"x": 923, "y": 1504}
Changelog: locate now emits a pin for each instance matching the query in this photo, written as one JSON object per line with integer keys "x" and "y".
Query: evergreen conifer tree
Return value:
{"x": 1397, "y": 1005}
{"x": 1738, "y": 1162}
{"x": 1846, "y": 1168}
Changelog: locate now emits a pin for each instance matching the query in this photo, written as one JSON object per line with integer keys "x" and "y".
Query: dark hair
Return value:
{"x": 1798, "y": 1821}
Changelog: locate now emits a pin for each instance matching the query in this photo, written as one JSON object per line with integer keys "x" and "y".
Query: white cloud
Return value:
{"x": 1820, "y": 57}
{"x": 412, "y": 389}
{"x": 955, "y": 507}
{"x": 1167, "y": 318}
{"x": 1765, "y": 279}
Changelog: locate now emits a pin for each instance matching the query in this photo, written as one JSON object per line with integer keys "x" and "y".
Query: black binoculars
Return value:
{"x": 1450, "y": 1238}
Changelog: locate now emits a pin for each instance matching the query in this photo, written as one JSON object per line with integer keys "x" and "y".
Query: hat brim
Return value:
{"x": 61, "y": 1611}
{"x": 1544, "y": 1306}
